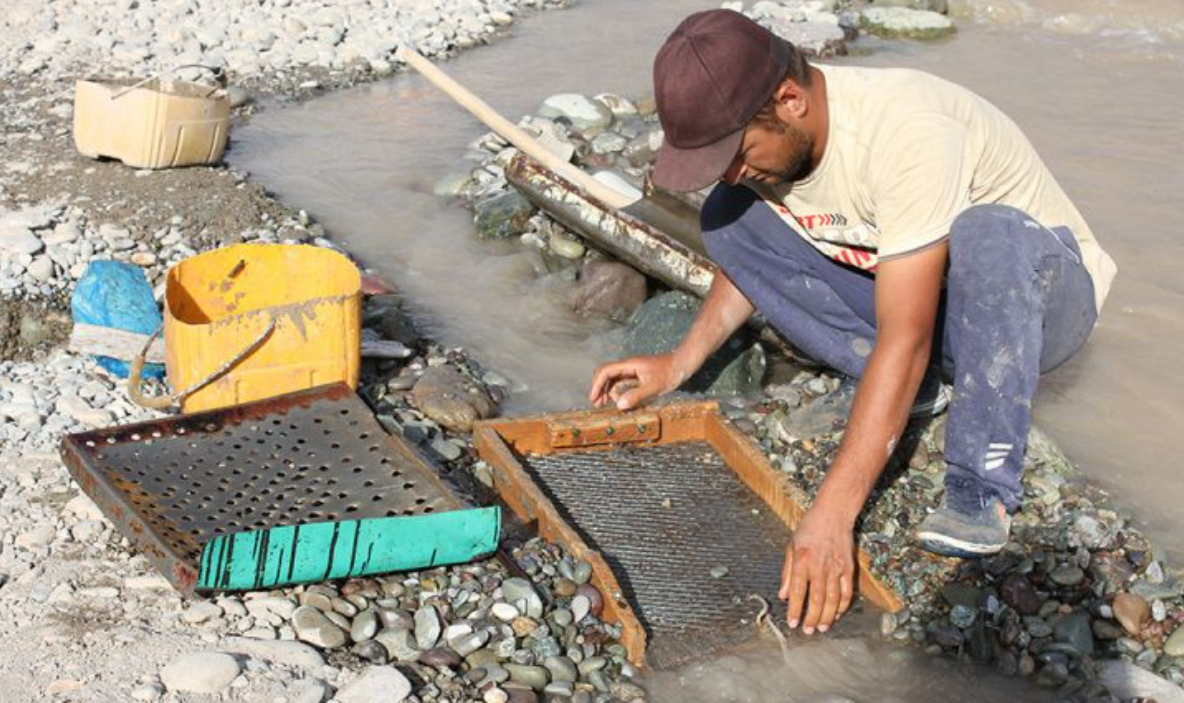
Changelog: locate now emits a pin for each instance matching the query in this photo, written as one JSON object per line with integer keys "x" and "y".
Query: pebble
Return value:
{"x": 205, "y": 672}
{"x": 1174, "y": 647}
{"x": 1131, "y": 611}
{"x": 427, "y": 627}
{"x": 580, "y": 607}
{"x": 1067, "y": 575}
{"x": 314, "y": 627}
{"x": 201, "y": 612}
{"x": 364, "y": 626}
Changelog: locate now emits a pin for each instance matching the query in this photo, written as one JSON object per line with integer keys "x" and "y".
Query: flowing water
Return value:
{"x": 1098, "y": 86}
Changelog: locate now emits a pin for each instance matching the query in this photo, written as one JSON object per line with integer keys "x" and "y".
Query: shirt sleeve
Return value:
{"x": 919, "y": 183}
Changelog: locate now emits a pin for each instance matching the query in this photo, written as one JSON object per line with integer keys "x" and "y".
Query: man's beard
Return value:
{"x": 797, "y": 165}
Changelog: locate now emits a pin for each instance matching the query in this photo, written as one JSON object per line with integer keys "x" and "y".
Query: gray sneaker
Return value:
{"x": 977, "y": 530}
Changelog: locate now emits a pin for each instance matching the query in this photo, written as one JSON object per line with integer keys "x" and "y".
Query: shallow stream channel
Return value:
{"x": 1095, "y": 84}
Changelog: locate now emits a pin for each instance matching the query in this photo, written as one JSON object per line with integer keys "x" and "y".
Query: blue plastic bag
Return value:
{"x": 118, "y": 295}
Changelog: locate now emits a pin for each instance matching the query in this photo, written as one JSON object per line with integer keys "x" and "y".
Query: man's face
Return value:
{"x": 771, "y": 154}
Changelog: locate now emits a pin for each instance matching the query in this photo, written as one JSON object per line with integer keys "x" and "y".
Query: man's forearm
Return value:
{"x": 878, "y": 418}
{"x": 724, "y": 311}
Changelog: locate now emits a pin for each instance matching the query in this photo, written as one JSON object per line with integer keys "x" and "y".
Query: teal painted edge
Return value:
{"x": 292, "y": 554}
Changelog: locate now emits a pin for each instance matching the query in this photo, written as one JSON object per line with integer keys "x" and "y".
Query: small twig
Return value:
{"x": 764, "y": 621}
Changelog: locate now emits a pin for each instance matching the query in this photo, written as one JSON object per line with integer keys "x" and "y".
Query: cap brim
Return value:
{"x": 694, "y": 169}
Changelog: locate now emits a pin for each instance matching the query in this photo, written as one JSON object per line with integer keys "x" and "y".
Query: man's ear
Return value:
{"x": 793, "y": 101}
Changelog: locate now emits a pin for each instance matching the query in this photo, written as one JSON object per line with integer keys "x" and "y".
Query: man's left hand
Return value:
{"x": 818, "y": 578}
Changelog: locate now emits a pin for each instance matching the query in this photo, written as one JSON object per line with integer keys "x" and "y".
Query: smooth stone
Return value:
{"x": 582, "y": 572}
{"x": 314, "y": 627}
{"x": 283, "y": 653}
{"x": 583, "y": 112}
{"x": 495, "y": 695}
{"x": 610, "y": 289}
{"x": 502, "y": 216}
{"x": 307, "y": 691}
{"x": 566, "y": 246}
{"x": 596, "y": 600}
{"x": 504, "y": 612}
{"x": 201, "y": 612}
{"x": 580, "y": 607}
{"x": 534, "y": 676}
{"x": 1067, "y": 575}
{"x": 561, "y": 668}
{"x": 1037, "y": 627}
{"x": 1174, "y": 647}
{"x": 400, "y": 644}
{"x": 518, "y": 591}
{"x": 1075, "y": 630}
{"x": 204, "y": 672}
{"x": 364, "y": 626}
{"x": 1131, "y": 611}
{"x": 372, "y": 651}
{"x": 1018, "y": 592}
{"x": 1107, "y": 631}
{"x": 495, "y": 673}
{"x": 427, "y": 627}
{"x": 562, "y": 689}
{"x": 377, "y": 684}
{"x": 441, "y": 658}
{"x": 562, "y": 617}
{"x": 470, "y": 643}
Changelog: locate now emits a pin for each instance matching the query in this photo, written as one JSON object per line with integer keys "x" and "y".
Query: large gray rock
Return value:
{"x": 502, "y": 216}
{"x": 940, "y": 6}
{"x": 1130, "y": 682}
{"x": 583, "y": 112}
{"x": 203, "y": 672}
{"x": 448, "y": 399}
{"x": 659, "y": 326}
{"x": 377, "y": 684}
{"x": 901, "y": 22}
{"x": 609, "y": 288}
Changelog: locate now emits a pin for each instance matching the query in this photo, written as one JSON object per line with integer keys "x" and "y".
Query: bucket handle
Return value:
{"x": 135, "y": 374}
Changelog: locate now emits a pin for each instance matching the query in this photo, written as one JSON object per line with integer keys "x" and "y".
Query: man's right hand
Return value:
{"x": 629, "y": 382}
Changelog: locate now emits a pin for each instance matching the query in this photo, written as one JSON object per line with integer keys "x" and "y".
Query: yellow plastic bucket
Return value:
{"x": 261, "y": 320}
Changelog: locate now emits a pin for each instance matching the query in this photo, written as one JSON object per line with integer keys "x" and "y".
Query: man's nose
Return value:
{"x": 735, "y": 173}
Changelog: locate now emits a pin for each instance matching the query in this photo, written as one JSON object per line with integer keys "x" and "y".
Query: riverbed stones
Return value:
{"x": 1131, "y": 611}
{"x": 314, "y": 627}
{"x": 202, "y": 672}
{"x": 583, "y": 112}
{"x": 377, "y": 684}
{"x": 427, "y": 627}
{"x": 902, "y": 22}
{"x": 449, "y": 399}
{"x": 662, "y": 322}
{"x": 502, "y": 216}
{"x": 610, "y": 289}
{"x": 1174, "y": 647}
{"x": 522, "y": 594}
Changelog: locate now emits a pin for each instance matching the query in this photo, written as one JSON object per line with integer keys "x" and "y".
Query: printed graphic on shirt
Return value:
{"x": 831, "y": 234}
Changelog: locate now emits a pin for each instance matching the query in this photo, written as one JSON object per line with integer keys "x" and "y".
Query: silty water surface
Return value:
{"x": 1095, "y": 84}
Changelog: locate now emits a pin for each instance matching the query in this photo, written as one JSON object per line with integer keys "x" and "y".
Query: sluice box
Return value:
{"x": 680, "y": 515}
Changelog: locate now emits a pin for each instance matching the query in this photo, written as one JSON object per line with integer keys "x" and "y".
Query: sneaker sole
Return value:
{"x": 952, "y": 547}
{"x": 934, "y": 407}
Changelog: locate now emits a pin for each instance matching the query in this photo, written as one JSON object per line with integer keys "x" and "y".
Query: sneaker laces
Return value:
{"x": 965, "y": 495}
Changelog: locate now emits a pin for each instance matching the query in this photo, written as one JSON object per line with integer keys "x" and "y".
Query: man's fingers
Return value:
{"x": 830, "y": 608}
{"x": 846, "y": 589}
{"x": 798, "y": 584}
{"x": 605, "y": 377}
{"x": 815, "y": 601}
{"x": 786, "y": 573}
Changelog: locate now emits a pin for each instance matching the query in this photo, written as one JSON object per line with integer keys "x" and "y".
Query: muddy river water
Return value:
{"x": 1097, "y": 85}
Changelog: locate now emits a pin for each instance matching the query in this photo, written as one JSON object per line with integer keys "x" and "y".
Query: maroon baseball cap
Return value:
{"x": 713, "y": 74}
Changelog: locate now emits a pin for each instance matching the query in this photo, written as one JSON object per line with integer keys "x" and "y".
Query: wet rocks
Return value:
{"x": 502, "y": 216}
{"x": 658, "y": 327}
{"x": 902, "y": 22}
{"x": 1174, "y": 646}
{"x": 449, "y": 399}
{"x": 609, "y": 288}
{"x": 204, "y": 672}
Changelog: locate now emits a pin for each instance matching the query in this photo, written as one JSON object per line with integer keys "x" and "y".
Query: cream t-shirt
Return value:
{"x": 906, "y": 153}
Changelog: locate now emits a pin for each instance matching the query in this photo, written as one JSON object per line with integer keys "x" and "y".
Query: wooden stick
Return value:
{"x": 512, "y": 132}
